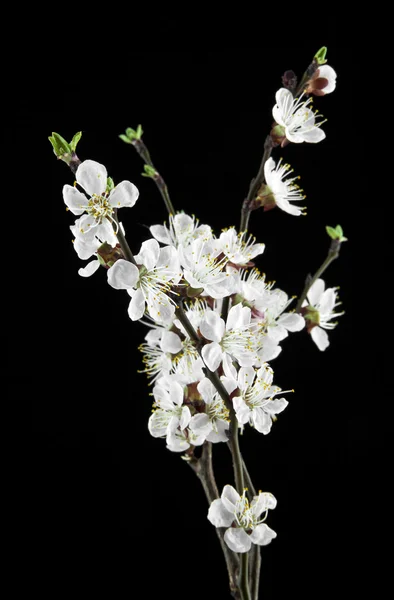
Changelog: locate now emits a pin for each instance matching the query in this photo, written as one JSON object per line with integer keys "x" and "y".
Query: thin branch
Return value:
{"x": 255, "y": 185}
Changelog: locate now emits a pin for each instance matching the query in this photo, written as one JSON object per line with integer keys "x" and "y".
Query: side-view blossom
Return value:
{"x": 256, "y": 403}
{"x": 322, "y": 82}
{"x": 243, "y": 519}
{"x": 150, "y": 282}
{"x": 297, "y": 119}
{"x": 279, "y": 190}
{"x": 99, "y": 205}
{"x": 169, "y": 410}
{"x": 239, "y": 248}
{"x": 182, "y": 230}
{"x": 318, "y": 311}
{"x": 214, "y": 423}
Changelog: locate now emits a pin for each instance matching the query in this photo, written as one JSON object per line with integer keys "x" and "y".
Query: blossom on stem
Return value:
{"x": 150, "y": 282}
{"x": 318, "y": 311}
{"x": 239, "y": 248}
{"x": 296, "y": 119}
{"x": 279, "y": 190}
{"x": 257, "y": 404}
{"x": 322, "y": 82}
{"x": 182, "y": 230}
{"x": 169, "y": 411}
{"x": 243, "y": 519}
{"x": 214, "y": 423}
{"x": 99, "y": 205}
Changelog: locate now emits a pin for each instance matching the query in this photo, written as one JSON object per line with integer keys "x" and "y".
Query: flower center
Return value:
{"x": 99, "y": 208}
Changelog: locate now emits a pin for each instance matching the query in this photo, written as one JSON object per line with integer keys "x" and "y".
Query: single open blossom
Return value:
{"x": 322, "y": 82}
{"x": 182, "y": 230}
{"x": 296, "y": 117}
{"x": 280, "y": 190}
{"x": 204, "y": 270}
{"x": 150, "y": 282}
{"x": 318, "y": 311}
{"x": 243, "y": 519}
{"x": 99, "y": 205}
{"x": 214, "y": 423}
{"x": 169, "y": 410}
{"x": 239, "y": 248}
{"x": 233, "y": 337}
{"x": 277, "y": 322}
{"x": 257, "y": 404}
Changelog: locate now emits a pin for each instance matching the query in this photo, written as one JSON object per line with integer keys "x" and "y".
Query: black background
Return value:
{"x": 108, "y": 506}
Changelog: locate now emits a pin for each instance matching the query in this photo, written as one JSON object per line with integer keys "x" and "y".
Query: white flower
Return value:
{"x": 150, "y": 284}
{"x": 238, "y": 248}
{"x": 215, "y": 421}
{"x": 322, "y": 82}
{"x": 297, "y": 119}
{"x": 182, "y": 230}
{"x": 179, "y": 440}
{"x": 257, "y": 404}
{"x": 276, "y": 321}
{"x": 169, "y": 411}
{"x": 233, "y": 338}
{"x": 99, "y": 205}
{"x": 280, "y": 191}
{"x": 319, "y": 311}
{"x": 244, "y": 522}
{"x": 203, "y": 270}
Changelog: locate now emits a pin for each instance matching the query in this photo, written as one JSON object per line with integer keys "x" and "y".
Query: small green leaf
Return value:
{"x": 339, "y": 230}
{"x": 60, "y": 146}
{"x": 139, "y": 132}
{"x": 110, "y": 184}
{"x": 193, "y": 292}
{"x": 75, "y": 140}
{"x": 124, "y": 138}
{"x": 320, "y": 55}
{"x": 331, "y": 232}
{"x": 131, "y": 133}
{"x": 149, "y": 171}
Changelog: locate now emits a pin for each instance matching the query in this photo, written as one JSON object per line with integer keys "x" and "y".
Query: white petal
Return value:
{"x": 314, "y": 135}
{"x": 89, "y": 269}
{"x": 158, "y": 423}
{"x": 137, "y": 305}
{"x": 170, "y": 342}
{"x": 148, "y": 254}
{"x": 262, "y": 502}
{"x": 212, "y": 326}
{"x": 229, "y": 370}
{"x": 106, "y": 233}
{"x": 327, "y": 301}
{"x": 160, "y": 308}
{"x": 123, "y": 275}
{"x": 92, "y": 176}
{"x": 212, "y": 355}
{"x": 218, "y": 515}
{"x": 185, "y": 417}
{"x": 176, "y": 393}
{"x": 221, "y": 433}
{"x": 242, "y": 410}
{"x": 328, "y": 73}
{"x": 238, "y": 316}
{"x": 262, "y": 535}
{"x": 261, "y": 421}
{"x": 246, "y": 377}
{"x": 292, "y": 321}
{"x": 315, "y": 292}
{"x": 160, "y": 233}
{"x": 200, "y": 424}
{"x": 125, "y": 194}
{"x": 268, "y": 167}
{"x": 320, "y": 338}
{"x": 275, "y": 406}
{"x": 86, "y": 248}
{"x": 229, "y": 383}
{"x": 207, "y": 390}
{"x": 74, "y": 199}
{"x": 237, "y": 539}
{"x": 230, "y": 497}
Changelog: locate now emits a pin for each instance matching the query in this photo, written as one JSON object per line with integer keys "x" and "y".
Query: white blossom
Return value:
{"x": 169, "y": 411}
{"x": 257, "y": 404}
{"x": 243, "y": 519}
{"x": 280, "y": 190}
{"x": 322, "y": 82}
{"x": 214, "y": 423}
{"x": 233, "y": 337}
{"x": 99, "y": 205}
{"x": 319, "y": 312}
{"x": 239, "y": 248}
{"x": 204, "y": 270}
{"x": 182, "y": 230}
{"x": 297, "y": 118}
{"x": 150, "y": 282}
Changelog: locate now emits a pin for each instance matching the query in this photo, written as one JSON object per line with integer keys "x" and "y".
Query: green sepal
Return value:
{"x": 75, "y": 140}
{"x": 320, "y": 55}
{"x": 110, "y": 184}
{"x": 193, "y": 292}
{"x": 59, "y": 144}
{"x": 149, "y": 171}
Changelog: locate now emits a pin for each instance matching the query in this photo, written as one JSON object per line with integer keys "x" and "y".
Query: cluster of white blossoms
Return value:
{"x": 209, "y": 310}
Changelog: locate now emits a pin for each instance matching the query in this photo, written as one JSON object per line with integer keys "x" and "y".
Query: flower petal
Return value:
{"x": 291, "y": 321}
{"x": 212, "y": 326}
{"x": 212, "y": 355}
{"x": 218, "y": 515}
{"x": 161, "y": 234}
{"x": 176, "y": 393}
{"x": 230, "y": 497}
{"x": 74, "y": 199}
{"x": 89, "y": 269}
{"x": 314, "y": 135}
{"x": 125, "y": 194}
{"x": 170, "y": 342}
{"x": 315, "y": 292}
{"x": 320, "y": 338}
{"x": 207, "y": 390}
{"x": 262, "y": 535}
{"x": 92, "y": 176}
{"x": 200, "y": 424}
{"x": 237, "y": 539}
{"x": 263, "y": 502}
{"x": 123, "y": 275}
{"x": 327, "y": 72}
{"x": 327, "y": 302}
{"x": 246, "y": 377}
{"x": 261, "y": 421}
{"x": 275, "y": 406}
{"x": 137, "y": 305}
{"x": 148, "y": 254}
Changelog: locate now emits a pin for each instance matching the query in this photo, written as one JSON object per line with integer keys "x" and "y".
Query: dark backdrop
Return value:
{"x": 109, "y": 506}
